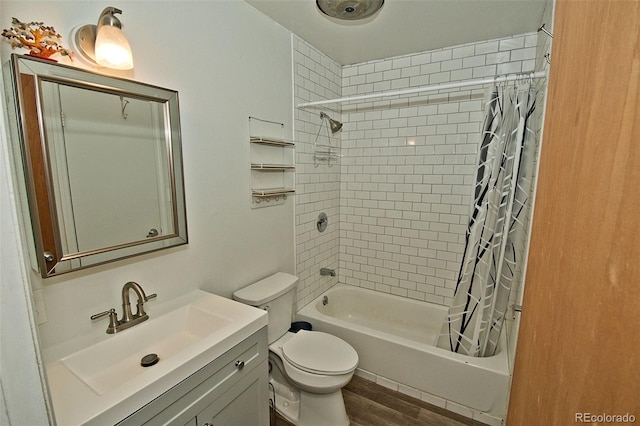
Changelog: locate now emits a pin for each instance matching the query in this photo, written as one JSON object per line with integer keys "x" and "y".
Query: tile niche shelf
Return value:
{"x": 272, "y": 164}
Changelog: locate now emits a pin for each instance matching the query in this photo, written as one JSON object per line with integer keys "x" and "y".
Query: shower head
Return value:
{"x": 349, "y": 9}
{"x": 334, "y": 124}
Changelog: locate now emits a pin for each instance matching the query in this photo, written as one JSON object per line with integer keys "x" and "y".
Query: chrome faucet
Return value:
{"x": 327, "y": 271}
{"x": 129, "y": 319}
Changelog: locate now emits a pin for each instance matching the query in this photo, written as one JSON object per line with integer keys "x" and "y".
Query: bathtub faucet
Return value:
{"x": 327, "y": 271}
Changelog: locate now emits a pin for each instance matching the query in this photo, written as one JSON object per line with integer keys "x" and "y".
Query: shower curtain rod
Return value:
{"x": 432, "y": 88}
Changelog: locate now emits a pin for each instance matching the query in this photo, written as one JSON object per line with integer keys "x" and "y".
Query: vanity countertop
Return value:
{"x": 98, "y": 379}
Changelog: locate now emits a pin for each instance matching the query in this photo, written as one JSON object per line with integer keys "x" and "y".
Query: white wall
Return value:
{"x": 228, "y": 62}
{"x": 22, "y": 395}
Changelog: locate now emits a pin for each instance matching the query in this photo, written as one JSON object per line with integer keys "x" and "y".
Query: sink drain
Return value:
{"x": 149, "y": 360}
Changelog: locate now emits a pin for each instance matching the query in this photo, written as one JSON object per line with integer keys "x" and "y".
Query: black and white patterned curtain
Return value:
{"x": 497, "y": 227}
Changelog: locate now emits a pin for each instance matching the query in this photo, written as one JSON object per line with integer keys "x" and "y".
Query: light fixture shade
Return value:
{"x": 112, "y": 49}
{"x": 350, "y": 10}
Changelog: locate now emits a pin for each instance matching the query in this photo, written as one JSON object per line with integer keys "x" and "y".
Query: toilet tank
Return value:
{"x": 275, "y": 295}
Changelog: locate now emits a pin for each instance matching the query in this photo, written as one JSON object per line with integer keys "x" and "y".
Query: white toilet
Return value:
{"x": 308, "y": 369}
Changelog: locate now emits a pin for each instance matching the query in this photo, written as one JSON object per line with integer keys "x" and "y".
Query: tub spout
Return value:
{"x": 327, "y": 271}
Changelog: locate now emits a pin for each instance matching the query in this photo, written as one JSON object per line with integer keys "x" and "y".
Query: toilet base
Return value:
{"x": 322, "y": 409}
{"x": 303, "y": 408}
{"x": 307, "y": 409}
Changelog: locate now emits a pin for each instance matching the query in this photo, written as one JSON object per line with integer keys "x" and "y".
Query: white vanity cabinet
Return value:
{"x": 230, "y": 390}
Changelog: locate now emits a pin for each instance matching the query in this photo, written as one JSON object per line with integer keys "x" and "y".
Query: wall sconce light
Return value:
{"x": 104, "y": 44}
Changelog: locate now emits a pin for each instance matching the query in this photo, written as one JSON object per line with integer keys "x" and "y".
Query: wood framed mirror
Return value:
{"x": 102, "y": 162}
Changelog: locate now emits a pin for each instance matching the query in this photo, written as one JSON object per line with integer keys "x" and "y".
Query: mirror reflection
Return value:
{"x": 116, "y": 143}
{"x": 103, "y": 165}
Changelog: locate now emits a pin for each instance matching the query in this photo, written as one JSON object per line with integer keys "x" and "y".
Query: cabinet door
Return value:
{"x": 181, "y": 404}
{"x": 244, "y": 404}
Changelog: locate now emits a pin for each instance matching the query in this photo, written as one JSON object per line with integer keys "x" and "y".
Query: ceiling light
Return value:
{"x": 349, "y": 9}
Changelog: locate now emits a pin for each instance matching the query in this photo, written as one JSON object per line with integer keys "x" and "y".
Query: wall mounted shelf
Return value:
{"x": 272, "y": 163}
{"x": 274, "y": 167}
{"x": 269, "y": 195}
{"x": 270, "y": 141}
{"x": 272, "y": 192}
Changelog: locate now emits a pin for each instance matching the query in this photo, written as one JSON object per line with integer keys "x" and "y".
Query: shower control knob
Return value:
{"x": 322, "y": 222}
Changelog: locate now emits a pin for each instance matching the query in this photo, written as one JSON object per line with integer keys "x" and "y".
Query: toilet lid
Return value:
{"x": 322, "y": 353}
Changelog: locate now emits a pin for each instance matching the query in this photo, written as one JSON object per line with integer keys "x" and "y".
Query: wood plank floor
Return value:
{"x": 369, "y": 404}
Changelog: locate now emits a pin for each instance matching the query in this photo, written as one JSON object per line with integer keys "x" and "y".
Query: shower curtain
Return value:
{"x": 495, "y": 236}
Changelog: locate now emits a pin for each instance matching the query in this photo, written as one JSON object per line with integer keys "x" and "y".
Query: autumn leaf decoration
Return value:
{"x": 41, "y": 40}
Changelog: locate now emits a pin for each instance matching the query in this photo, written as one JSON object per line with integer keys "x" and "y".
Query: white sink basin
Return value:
{"x": 113, "y": 362}
{"x": 98, "y": 379}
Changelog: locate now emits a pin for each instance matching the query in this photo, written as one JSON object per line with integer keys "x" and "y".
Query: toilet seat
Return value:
{"x": 320, "y": 353}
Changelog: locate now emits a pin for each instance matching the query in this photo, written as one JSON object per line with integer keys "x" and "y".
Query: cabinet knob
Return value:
{"x": 239, "y": 364}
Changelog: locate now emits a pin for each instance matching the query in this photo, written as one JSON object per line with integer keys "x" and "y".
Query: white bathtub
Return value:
{"x": 394, "y": 338}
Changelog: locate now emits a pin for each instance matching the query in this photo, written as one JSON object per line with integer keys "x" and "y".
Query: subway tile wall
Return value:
{"x": 408, "y": 165}
{"x": 316, "y": 77}
{"x": 398, "y": 202}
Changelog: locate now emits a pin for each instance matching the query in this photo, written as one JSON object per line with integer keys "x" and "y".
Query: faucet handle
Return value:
{"x": 140, "y": 304}
{"x": 113, "y": 319}
{"x": 102, "y": 314}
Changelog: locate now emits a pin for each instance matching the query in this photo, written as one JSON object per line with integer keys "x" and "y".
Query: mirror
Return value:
{"x": 102, "y": 163}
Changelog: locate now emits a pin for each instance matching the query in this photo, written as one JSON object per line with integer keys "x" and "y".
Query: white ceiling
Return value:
{"x": 404, "y": 26}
